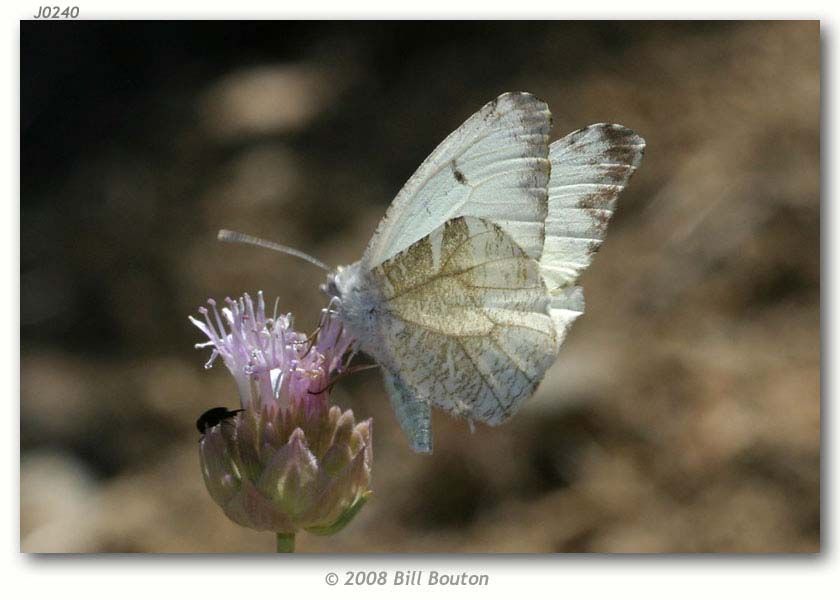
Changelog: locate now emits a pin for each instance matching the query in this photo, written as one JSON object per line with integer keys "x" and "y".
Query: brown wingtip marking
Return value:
{"x": 624, "y": 144}
{"x": 575, "y": 138}
{"x": 616, "y": 133}
{"x": 624, "y": 154}
{"x": 599, "y": 200}
{"x": 590, "y": 201}
{"x": 617, "y": 174}
{"x": 601, "y": 218}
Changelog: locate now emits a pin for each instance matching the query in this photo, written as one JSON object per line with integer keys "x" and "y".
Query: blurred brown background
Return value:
{"x": 683, "y": 413}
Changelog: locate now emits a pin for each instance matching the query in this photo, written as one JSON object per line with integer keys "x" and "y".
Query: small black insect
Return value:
{"x": 213, "y": 417}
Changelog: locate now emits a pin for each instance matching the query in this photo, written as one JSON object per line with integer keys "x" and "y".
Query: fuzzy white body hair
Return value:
{"x": 360, "y": 305}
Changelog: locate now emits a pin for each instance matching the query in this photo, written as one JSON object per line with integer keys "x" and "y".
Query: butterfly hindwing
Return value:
{"x": 495, "y": 166}
{"x": 464, "y": 322}
{"x": 413, "y": 414}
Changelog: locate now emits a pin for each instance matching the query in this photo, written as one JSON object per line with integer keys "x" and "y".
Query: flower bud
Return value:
{"x": 286, "y": 470}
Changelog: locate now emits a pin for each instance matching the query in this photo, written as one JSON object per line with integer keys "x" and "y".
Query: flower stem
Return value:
{"x": 285, "y": 542}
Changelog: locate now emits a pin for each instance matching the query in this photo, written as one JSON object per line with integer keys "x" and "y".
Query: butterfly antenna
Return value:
{"x": 234, "y": 237}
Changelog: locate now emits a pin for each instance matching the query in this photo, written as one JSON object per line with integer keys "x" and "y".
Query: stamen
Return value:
{"x": 213, "y": 356}
{"x": 222, "y": 332}
{"x": 283, "y": 362}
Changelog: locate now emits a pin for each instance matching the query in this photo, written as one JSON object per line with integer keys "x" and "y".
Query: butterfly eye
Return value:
{"x": 331, "y": 287}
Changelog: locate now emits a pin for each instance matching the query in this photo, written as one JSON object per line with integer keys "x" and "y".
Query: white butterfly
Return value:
{"x": 467, "y": 289}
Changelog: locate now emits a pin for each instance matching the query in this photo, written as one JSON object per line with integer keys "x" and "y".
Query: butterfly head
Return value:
{"x": 331, "y": 286}
{"x": 344, "y": 282}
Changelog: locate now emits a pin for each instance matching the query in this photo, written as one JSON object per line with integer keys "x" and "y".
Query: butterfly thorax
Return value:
{"x": 359, "y": 303}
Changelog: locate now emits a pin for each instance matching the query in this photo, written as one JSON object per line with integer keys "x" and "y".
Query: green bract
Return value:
{"x": 307, "y": 467}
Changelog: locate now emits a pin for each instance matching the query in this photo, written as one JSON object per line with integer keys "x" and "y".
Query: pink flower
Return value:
{"x": 288, "y": 460}
{"x": 266, "y": 356}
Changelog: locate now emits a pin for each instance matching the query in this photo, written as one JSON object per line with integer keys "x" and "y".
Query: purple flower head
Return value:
{"x": 271, "y": 363}
{"x": 287, "y": 461}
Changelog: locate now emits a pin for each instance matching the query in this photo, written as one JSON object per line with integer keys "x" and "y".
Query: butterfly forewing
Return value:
{"x": 465, "y": 320}
{"x": 495, "y": 166}
{"x": 589, "y": 169}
